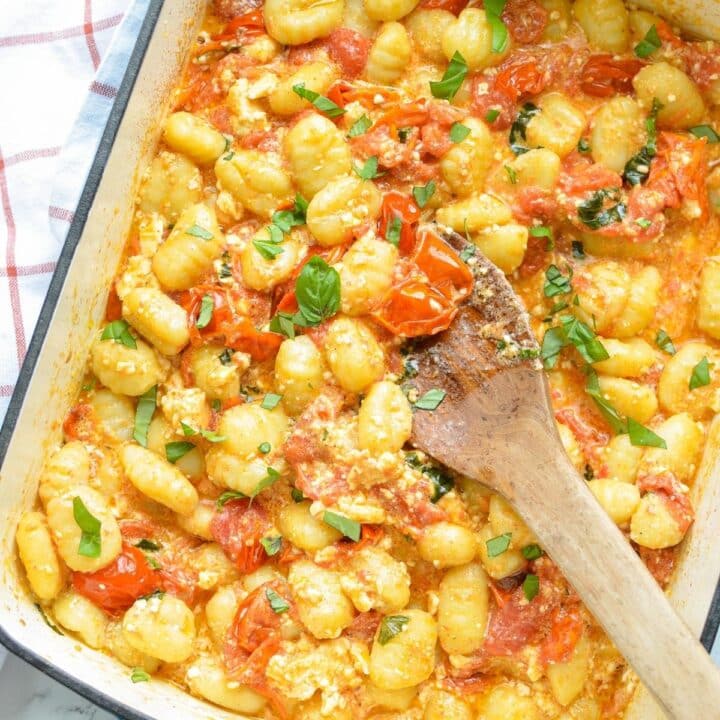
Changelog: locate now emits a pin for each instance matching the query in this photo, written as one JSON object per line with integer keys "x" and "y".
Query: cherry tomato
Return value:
{"x": 113, "y": 309}
{"x": 238, "y": 529}
{"x": 349, "y": 49}
{"x": 398, "y": 206}
{"x": 453, "y": 6}
{"x": 525, "y": 19}
{"x": 251, "y": 23}
{"x": 443, "y": 267}
{"x": 604, "y": 76}
{"x": 565, "y": 632}
{"x": 116, "y": 587}
{"x": 520, "y": 78}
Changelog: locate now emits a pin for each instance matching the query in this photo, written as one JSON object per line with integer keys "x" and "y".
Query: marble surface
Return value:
{"x": 26, "y": 694}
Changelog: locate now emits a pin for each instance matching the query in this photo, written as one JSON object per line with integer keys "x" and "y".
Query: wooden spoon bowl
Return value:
{"x": 496, "y": 425}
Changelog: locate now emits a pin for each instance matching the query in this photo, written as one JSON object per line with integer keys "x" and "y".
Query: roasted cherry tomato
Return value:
{"x": 525, "y": 19}
{"x": 238, "y": 529}
{"x": 398, "y": 206}
{"x": 349, "y": 49}
{"x": 565, "y": 633}
{"x": 453, "y": 6}
{"x": 251, "y": 23}
{"x": 604, "y": 76}
{"x": 442, "y": 266}
{"x": 116, "y": 587}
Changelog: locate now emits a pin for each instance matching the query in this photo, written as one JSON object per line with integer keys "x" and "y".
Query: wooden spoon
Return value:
{"x": 495, "y": 425}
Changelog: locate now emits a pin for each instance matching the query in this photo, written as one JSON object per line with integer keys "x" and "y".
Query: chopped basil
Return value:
{"x": 153, "y": 563}
{"x": 649, "y": 44}
{"x": 270, "y": 401}
{"x": 360, "y": 126}
{"x": 197, "y": 231}
{"x": 611, "y": 415}
{"x": 578, "y": 250}
{"x": 317, "y": 290}
{"x": 271, "y": 246}
{"x": 391, "y": 626}
{"x": 644, "y": 223}
{"x": 593, "y": 214}
{"x": 90, "y": 538}
{"x": 447, "y": 88}
{"x": 229, "y": 495}
{"x": 283, "y": 323}
{"x": 458, "y": 132}
{"x": 393, "y": 230}
{"x": 139, "y": 675}
{"x": 226, "y": 356}
{"x": 229, "y": 156}
{"x": 531, "y": 552}
{"x": 278, "y": 604}
{"x": 498, "y": 545}
{"x": 209, "y": 435}
{"x": 206, "y": 311}
{"x": 583, "y": 146}
{"x": 323, "y": 104}
{"x": 349, "y": 528}
{"x": 272, "y": 544}
{"x": 519, "y": 128}
{"x": 705, "y": 131}
{"x": 552, "y": 344}
{"x": 556, "y": 283}
{"x": 52, "y": 626}
{"x": 119, "y": 331}
{"x": 637, "y": 168}
{"x": 225, "y": 269}
{"x": 441, "y": 481}
{"x": 143, "y": 415}
{"x": 264, "y": 448}
{"x": 216, "y": 405}
{"x": 175, "y": 450}
{"x": 404, "y": 134}
{"x": 700, "y": 374}
{"x": 589, "y": 473}
{"x": 148, "y": 545}
{"x": 546, "y": 232}
{"x": 270, "y": 479}
{"x": 285, "y": 220}
{"x": 584, "y": 339}
{"x": 467, "y": 252}
{"x": 493, "y": 12}
{"x": 643, "y": 437}
{"x": 531, "y": 586}
{"x": 296, "y": 495}
{"x": 664, "y": 342}
{"x": 492, "y": 115}
{"x": 423, "y": 193}
{"x": 430, "y": 400}
{"x": 512, "y": 175}
{"x": 369, "y": 170}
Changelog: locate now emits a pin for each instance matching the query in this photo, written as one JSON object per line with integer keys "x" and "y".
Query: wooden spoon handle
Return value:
{"x": 614, "y": 583}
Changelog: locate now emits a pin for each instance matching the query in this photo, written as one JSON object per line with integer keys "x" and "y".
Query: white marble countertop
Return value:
{"x": 27, "y": 694}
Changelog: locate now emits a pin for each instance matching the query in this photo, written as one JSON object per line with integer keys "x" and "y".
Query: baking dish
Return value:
{"x": 73, "y": 312}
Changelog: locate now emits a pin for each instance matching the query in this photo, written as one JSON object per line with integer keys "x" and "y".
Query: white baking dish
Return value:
{"x": 73, "y": 312}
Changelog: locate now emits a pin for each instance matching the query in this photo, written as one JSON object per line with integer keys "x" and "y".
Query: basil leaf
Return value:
{"x": 53, "y": 627}
{"x": 637, "y": 168}
{"x": 649, "y": 44}
{"x": 423, "y": 193}
{"x": 467, "y": 252}
{"x": 455, "y": 74}
{"x": 272, "y": 545}
{"x": 148, "y": 545}
{"x": 492, "y": 115}
{"x": 542, "y": 231}
{"x": 643, "y": 437}
{"x": 553, "y": 343}
{"x": 143, "y": 415}
{"x": 458, "y": 132}
{"x": 225, "y": 269}
{"x": 592, "y": 213}
{"x": 519, "y": 128}
{"x": 139, "y": 675}
{"x": 404, "y": 134}
{"x": 206, "y": 310}
{"x": 279, "y": 605}
{"x": 264, "y": 448}
{"x": 226, "y": 356}
{"x": 283, "y": 323}
{"x": 583, "y": 146}
{"x": 512, "y": 175}
{"x": 430, "y": 400}
{"x": 209, "y": 435}
{"x": 531, "y": 552}
{"x": 705, "y": 131}
{"x": 584, "y": 339}
{"x": 360, "y": 126}
{"x": 90, "y": 538}
{"x": 531, "y": 586}
{"x": 369, "y": 170}
{"x": 611, "y": 415}
{"x": 578, "y": 250}
{"x": 268, "y": 249}
{"x": 317, "y": 291}
{"x": 270, "y": 401}
{"x": 197, "y": 231}
{"x": 498, "y": 545}
{"x": 296, "y": 495}
{"x": 349, "y": 528}
{"x": 119, "y": 331}
{"x": 393, "y": 230}
{"x": 288, "y": 219}
{"x": 323, "y": 104}
{"x": 664, "y": 342}
{"x": 556, "y": 283}
{"x": 644, "y": 223}
{"x": 442, "y": 483}
{"x": 175, "y": 450}
{"x": 229, "y": 495}
{"x": 391, "y": 626}
{"x": 493, "y": 12}
{"x": 270, "y": 479}
{"x": 700, "y": 374}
